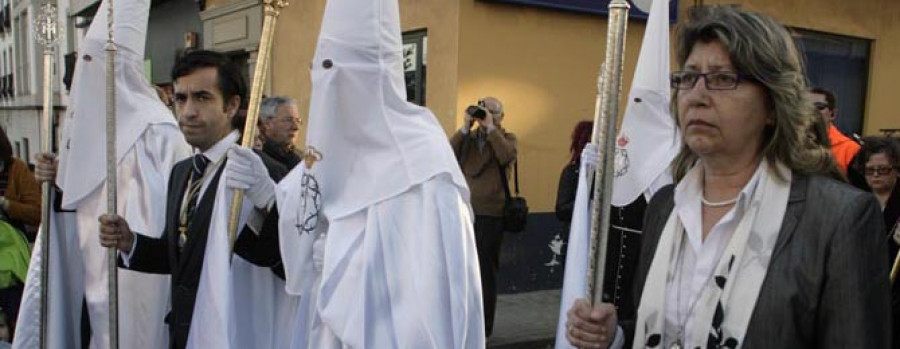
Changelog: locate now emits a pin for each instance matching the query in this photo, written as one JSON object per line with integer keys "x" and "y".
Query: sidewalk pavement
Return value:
{"x": 525, "y": 320}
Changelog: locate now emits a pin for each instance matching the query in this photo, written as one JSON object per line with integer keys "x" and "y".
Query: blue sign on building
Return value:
{"x": 600, "y": 7}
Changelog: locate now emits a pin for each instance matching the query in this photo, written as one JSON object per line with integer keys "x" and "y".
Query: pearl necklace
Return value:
{"x": 719, "y": 203}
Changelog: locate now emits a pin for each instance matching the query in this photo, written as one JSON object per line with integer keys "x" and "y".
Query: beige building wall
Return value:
{"x": 298, "y": 30}
{"x": 543, "y": 65}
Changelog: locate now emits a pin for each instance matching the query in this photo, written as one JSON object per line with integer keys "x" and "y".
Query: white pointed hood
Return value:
{"x": 83, "y": 143}
{"x": 648, "y": 139}
{"x": 374, "y": 143}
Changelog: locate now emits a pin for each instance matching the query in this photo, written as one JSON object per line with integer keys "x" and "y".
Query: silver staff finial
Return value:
{"x": 110, "y": 20}
{"x": 47, "y": 26}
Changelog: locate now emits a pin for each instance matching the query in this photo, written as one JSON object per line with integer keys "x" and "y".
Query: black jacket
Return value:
{"x": 284, "y": 156}
{"x": 161, "y": 255}
{"x": 565, "y": 193}
{"x": 624, "y": 244}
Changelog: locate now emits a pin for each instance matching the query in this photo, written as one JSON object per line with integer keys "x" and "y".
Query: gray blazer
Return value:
{"x": 827, "y": 285}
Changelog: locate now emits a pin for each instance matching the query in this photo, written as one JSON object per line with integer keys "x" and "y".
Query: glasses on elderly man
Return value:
{"x": 686, "y": 80}
{"x": 291, "y": 120}
{"x": 880, "y": 170}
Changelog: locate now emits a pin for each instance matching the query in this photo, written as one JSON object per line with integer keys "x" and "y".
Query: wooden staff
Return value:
{"x": 111, "y": 178}
{"x": 896, "y": 268}
{"x": 605, "y": 114}
{"x": 47, "y": 36}
{"x": 271, "y": 8}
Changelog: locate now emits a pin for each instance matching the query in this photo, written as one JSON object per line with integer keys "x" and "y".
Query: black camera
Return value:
{"x": 477, "y": 111}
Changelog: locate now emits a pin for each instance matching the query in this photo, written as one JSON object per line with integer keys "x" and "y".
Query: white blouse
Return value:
{"x": 698, "y": 257}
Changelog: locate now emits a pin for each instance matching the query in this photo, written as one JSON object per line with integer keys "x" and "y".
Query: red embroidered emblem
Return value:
{"x": 623, "y": 141}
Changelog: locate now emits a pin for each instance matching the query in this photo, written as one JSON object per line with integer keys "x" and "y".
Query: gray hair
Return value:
{"x": 763, "y": 49}
{"x": 269, "y": 106}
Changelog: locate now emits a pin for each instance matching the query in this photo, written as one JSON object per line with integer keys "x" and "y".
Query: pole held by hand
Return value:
{"x": 111, "y": 178}
{"x": 47, "y": 30}
{"x": 271, "y": 10}
{"x": 605, "y": 114}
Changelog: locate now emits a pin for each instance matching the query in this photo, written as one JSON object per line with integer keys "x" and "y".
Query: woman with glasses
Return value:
{"x": 879, "y": 159}
{"x": 754, "y": 246}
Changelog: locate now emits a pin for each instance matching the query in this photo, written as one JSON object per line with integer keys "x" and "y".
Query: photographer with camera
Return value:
{"x": 485, "y": 154}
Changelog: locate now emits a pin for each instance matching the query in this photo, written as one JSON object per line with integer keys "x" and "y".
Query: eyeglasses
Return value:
{"x": 880, "y": 170}
{"x": 686, "y": 80}
{"x": 291, "y": 120}
{"x": 821, "y": 105}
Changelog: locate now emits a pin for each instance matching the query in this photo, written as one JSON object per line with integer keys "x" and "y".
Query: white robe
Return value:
{"x": 239, "y": 305}
{"x": 79, "y": 264}
{"x": 400, "y": 273}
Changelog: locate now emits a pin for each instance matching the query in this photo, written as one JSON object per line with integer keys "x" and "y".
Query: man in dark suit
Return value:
{"x": 209, "y": 91}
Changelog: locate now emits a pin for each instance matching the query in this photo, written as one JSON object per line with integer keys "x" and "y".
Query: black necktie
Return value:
{"x": 199, "y": 163}
{"x": 198, "y": 168}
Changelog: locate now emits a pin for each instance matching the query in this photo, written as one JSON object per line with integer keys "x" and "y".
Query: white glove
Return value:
{"x": 589, "y": 157}
{"x": 246, "y": 171}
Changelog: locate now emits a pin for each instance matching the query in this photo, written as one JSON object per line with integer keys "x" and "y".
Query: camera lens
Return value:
{"x": 476, "y": 112}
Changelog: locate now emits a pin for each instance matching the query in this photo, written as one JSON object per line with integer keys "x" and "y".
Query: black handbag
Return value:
{"x": 515, "y": 211}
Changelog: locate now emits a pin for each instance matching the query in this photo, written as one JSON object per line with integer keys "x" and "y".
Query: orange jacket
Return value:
{"x": 843, "y": 148}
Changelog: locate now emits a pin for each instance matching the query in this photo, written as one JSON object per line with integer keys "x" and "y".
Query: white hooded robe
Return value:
{"x": 148, "y": 144}
{"x": 376, "y": 235}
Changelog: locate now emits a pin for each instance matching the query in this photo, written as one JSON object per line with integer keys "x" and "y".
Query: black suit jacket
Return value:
{"x": 827, "y": 282}
{"x": 161, "y": 255}
{"x": 276, "y": 169}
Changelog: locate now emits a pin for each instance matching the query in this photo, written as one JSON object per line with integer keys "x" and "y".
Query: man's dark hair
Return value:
{"x": 5, "y": 149}
{"x": 239, "y": 120}
{"x": 231, "y": 82}
{"x": 829, "y": 96}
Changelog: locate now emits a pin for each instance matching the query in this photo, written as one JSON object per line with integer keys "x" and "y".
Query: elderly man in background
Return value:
{"x": 279, "y": 122}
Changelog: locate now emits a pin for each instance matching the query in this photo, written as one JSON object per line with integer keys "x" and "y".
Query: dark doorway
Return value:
{"x": 840, "y": 64}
